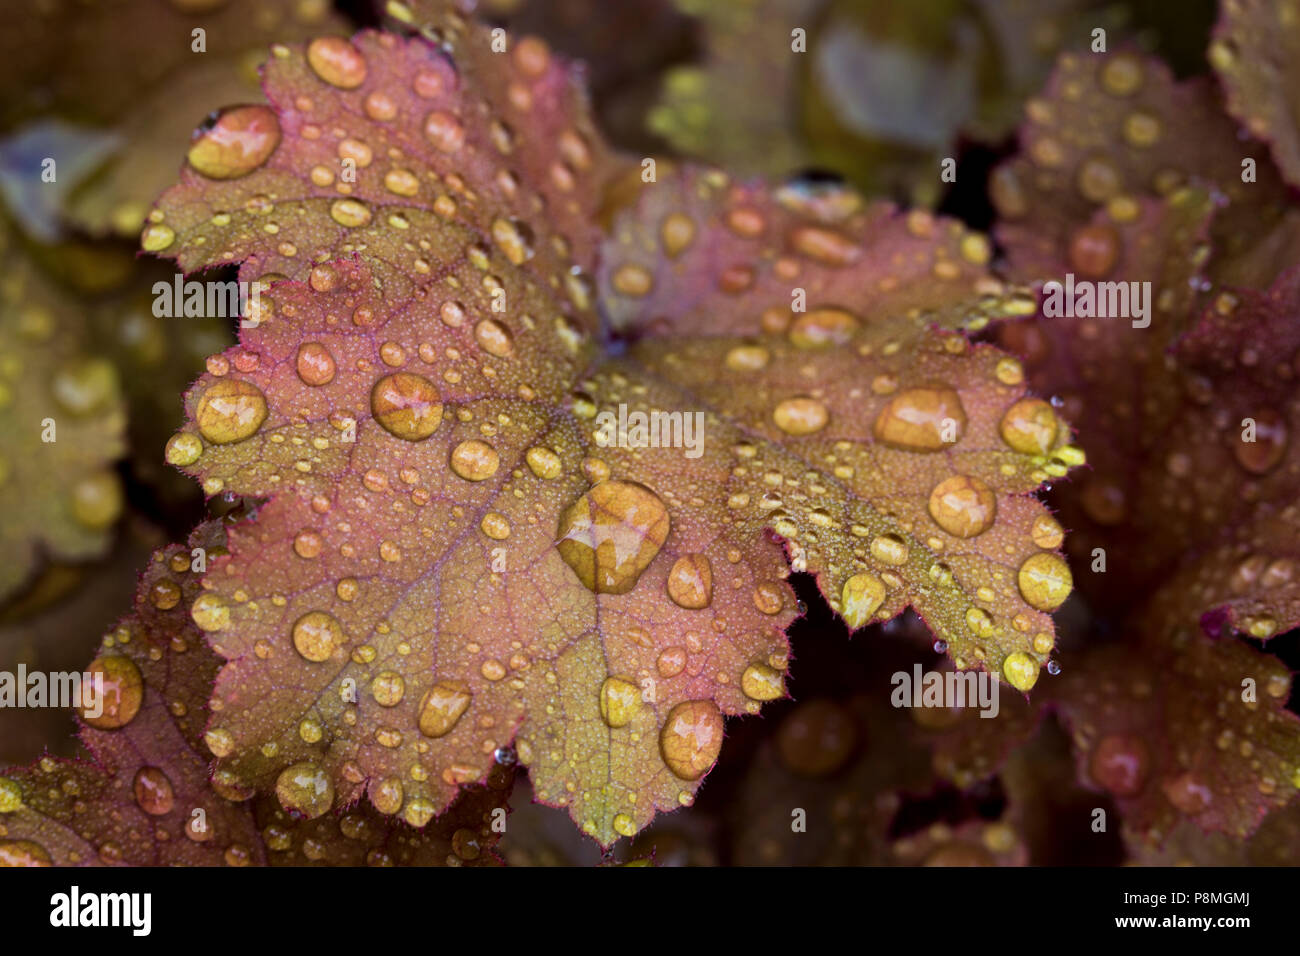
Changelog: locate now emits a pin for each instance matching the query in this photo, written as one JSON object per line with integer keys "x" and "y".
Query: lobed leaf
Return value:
{"x": 1184, "y": 728}
{"x": 149, "y": 798}
{"x": 1253, "y": 46}
{"x": 61, "y": 426}
{"x": 458, "y": 551}
{"x": 1111, "y": 129}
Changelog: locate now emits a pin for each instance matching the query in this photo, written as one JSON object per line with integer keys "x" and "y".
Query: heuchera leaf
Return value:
{"x": 142, "y": 69}
{"x": 1187, "y": 522}
{"x": 61, "y": 426}
{"x": 149, "y": 798}
{"x": 464, "y": 546}
{"x": 1191, "y": 498}
{"x": 1254, "y": 44}
{"x": 1189, "y": 728}
{"x": 1111, "y": 129}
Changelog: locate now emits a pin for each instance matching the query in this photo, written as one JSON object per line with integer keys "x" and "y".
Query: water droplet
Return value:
{"x": 920, "y": 419}
{"x": 1103, "y": 500}
{"x": 418, "y": 812}
{"x": 156, "y": 237}
{"x": 475, "y": 460}
{"x": 230, "y": 410}
{"x": 801, "y": 416}
{"x": 1029, "y": 426}
{"x": 691, "y": 738}
{"x": 671, "y": 661}
{"x": 748, "y": 358}
{"x": 337, "y": 62}
{"x": 97, "y": 500}
{"x": 941, "y": 647}
{"x": 305, "y": 789}
{"x": 611, "y": 534}
{"x": 761, "y": 682}
{"x": 1122, "y": 75}
{"x": 442, "y": 706}
{"x": 183, "y": 449}
{"x": 494, "y": 338}
{"x": 444, "y": 131}
{"x": 11, "y": 795}
{"x": 1098, "y": 179}
{"x": 1020, "y": 670}
{"x": 963, "y": 506}
{"x": 210, "y": 612}
{"x": 619, "y": 701}
{"x": 123, "y": 692}
{"x": 817, "y": 738}
{"x": 315, "y": 364}
{"x": 83, "y": 386}
{"x": 690, "y": 582}
{"x": 544, "y": 463}
{"x": 1264, "y": 453}
{"x": 241, "y": 140}
{"x": 889, "y": 549}
{"x": 860, "y": 598}
{"x": 677, "y": 233}
{"x": 408, "y": 406}
{"x": 164, "y": 594}
{"x": 1094, "y": 250}
{"x": 1045, "y": 581}
{"x": 1188, "y": 794}
{"x": 23, "y": 853}
{"x": 823, "y": 329}
{"x": 153, "y": 791}
{"x": 514, "y": 238}
{"x": 351, "y": 213}
{"x": 388, "y": 688}
{"x": 824, "y": 245}
{"x": 316, "y": 635}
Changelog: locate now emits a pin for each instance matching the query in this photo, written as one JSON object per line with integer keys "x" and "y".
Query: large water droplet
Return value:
{"x": 921, "y": 419}
{"x": 963, "y": 506}
{"x": 1020, "y": 670}
{"x": 1264, "y": 453}
{"x": 23, "y": 853}
{"x": 691, "y": 738}
{"x": 761, "y": 682}
{"x": 690, "y": 582}
{"x": 230, "y": 410}
{"x": 801, "y": 416}
{"x": 1029, "y": 426}
{"x": 475, "y": 460}
{"x": 823, "y": 329}
{"x": 153, "y": 791}
{"x": 1045, "y": 581}
{"x": 315, "y": 364}
{"x": 123, "y": 693}
{"x": 241, "y": 140}
{"x": 619, "y": 701}
{"x": 611, "y": 534}
{"x": 305, "y": 789}
{"x": 817, "y": 738}
{"x": 407, "y": 405}
{"x": 1119, "y": 763}
{"x": 316, "y": 635}
{"x": 442, "y": 706}
{"x": 337, "y": 62}
{"x": 860, "y": 598}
